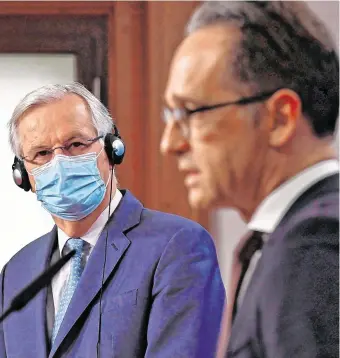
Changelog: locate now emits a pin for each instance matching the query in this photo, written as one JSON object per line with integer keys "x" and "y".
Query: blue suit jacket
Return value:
{"x": 163, "y": 293}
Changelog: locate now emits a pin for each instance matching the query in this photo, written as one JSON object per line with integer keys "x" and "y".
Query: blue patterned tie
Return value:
{"x": 75, "y": 273}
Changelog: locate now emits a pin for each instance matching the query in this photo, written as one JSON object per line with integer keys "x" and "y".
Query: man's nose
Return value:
{"x": 58, "y": 150}
{"x": 173, "y": 142}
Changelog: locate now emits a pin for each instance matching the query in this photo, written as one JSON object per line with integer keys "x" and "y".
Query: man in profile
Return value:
{"x": 141, "y": 281}
{"x": 252, "y": 102}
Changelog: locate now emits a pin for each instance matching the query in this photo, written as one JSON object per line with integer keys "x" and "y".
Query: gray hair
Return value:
{"x": 283, "y": 45}
{"x": 101, "y": 119}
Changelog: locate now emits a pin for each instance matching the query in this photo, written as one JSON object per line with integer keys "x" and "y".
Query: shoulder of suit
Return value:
{"x": 158, "y": 220}
{"x": 158, "y": 229}
{"x": 28, "y": 252}
{"x": 320, "y": 201}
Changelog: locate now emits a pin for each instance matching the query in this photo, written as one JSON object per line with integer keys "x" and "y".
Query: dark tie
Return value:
{"x": 253, "y": 244}
{"x": 243, "y": 253}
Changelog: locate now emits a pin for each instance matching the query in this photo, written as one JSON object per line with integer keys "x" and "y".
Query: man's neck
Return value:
{"x": 283, "y": 170}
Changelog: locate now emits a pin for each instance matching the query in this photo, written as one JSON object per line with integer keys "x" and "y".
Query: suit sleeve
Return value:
{"x": 2, "y": 338}
{"x": 188, "y": 298}
{"x": 304, "y": 321}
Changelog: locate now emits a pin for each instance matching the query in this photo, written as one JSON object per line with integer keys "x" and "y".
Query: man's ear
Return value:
{"x": 284, "y": 109}
{"x": 32, "y": 182}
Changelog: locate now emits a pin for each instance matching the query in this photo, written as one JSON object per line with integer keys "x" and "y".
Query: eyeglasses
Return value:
{"x": 182, "y": 115}
{"x": 78, "y": 146}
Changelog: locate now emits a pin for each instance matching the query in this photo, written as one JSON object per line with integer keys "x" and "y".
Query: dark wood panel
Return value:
{"x": 55, "y": 7}
{"x": 165, "y": 28}
{"x": 127, "y": 92}
{"x": 84, "y": 36}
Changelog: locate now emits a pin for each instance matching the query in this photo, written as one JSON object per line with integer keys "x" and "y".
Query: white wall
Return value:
{"x": 22, "y": 218}
{"x": 227, "y": 226}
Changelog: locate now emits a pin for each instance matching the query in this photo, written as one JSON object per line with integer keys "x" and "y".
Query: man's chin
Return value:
{"x": 198, "y": 199}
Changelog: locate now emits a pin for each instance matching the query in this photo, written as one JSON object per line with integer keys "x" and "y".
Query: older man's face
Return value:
{"x": 57, "y": 124}
{"x": 224, "y": 145}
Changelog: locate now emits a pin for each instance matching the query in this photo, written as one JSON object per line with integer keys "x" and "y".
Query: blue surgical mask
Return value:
{"x": 70, "y": 188}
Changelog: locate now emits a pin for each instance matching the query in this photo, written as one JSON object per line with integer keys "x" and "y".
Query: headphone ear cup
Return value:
{"x": 108, "y": 147}
{"x": 20, "y": 175}
{"x": 118, "y": 147}
{"x": 115, "y": 148}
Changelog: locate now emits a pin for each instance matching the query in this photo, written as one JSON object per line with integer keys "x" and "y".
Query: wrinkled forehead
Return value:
{"x": 70, "y": 110}
{"x": 57, "y": 120}
{"x": 203, "y": 63}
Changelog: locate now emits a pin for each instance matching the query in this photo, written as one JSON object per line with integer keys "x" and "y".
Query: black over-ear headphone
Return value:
{"x": 20, "y": 175}
{"x": 114, "y": 148}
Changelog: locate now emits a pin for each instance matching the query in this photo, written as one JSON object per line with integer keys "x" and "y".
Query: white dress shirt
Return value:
{"x": 272, "y": 209}
{"x": 91, "y": 238}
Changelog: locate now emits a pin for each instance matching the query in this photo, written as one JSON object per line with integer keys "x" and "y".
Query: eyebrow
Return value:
{"x": 37, "y": 147}
{"x": 182, "y": 99}
{"x": 42, "y": 146}
{"x": 74, "y": 136}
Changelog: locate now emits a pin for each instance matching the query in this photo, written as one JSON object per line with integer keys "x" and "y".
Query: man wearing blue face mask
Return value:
{"x": 140, "y": 283}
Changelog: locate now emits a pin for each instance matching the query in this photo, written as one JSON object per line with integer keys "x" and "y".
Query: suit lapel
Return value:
{"x": 33, "y": 315}
{"x": 41, "y": 302}
{"x": 126, "y": 216}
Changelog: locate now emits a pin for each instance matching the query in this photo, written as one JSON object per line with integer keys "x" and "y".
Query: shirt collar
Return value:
{"x": 272, "y": 209}
{"x": 92, "y": 235}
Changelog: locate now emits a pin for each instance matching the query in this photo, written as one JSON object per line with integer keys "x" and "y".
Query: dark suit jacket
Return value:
{"x": 290, "y": 309}
{"x": 163, "y": 293}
